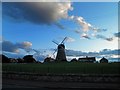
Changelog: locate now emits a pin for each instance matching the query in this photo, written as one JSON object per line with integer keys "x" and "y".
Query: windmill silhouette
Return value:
{"x": 61, "y": 56}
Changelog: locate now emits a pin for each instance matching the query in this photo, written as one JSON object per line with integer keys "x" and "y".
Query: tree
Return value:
{"x": 5, "y": 59}
{"x": 20, "y": 60}
{"x": 29, "y": 59}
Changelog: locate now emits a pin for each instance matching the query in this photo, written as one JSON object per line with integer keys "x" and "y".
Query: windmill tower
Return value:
{"x": 61, "y": 56}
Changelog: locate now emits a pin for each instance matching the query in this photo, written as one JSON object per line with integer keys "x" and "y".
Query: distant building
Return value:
{"x": 49, "y": 59}
{"x": 103, "y": 60}
{"x": 87, "y": 59}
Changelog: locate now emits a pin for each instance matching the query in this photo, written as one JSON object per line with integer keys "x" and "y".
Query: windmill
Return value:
{"x": 61, "y": 56}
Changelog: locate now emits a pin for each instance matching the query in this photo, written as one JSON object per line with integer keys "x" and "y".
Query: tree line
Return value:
{"x": 30, "y": 59}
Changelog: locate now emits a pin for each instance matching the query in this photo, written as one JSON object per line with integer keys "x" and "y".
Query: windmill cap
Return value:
{"x": 61, "y": 45}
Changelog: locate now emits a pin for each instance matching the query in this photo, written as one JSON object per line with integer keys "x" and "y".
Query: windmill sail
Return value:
{"x": 63, "y": 40}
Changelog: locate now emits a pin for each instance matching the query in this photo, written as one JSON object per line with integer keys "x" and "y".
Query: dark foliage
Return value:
{"x": 5, "y": 59}
{"x": 29, "y": 59}
{"x": 20, "y": 60}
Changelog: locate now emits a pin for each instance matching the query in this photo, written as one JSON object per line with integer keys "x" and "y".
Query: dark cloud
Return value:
{"x": 110, "y": 52}
{"x": 14, "y": 47}
{"x": 84, "y": 35}
{"x": 59, "y": 25}
{"x": 102, "y": 52}
{"x": 87, "y": 37}
{"x": 114, "y": 59}
{"x": 37, "y": 12}
{"x": 99, "y": 30}
{"x": 80, "y": 53}
{"x": 9, "y": 47}
{"x": 104, "y": 37}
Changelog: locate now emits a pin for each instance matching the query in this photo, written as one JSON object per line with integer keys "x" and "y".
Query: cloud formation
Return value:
{"x": 85, "y": 36}
{"x": 102, "y": 52}
{"x": 49, "y": 13}
{"x": 37, "y": 12}
{"x": 81, "y": 21}
{"x": 14, "y": 47}
{"x": 24, "y": 45}
{"x": 103, "y": 37}
{"x": 110, "y": 52}
{"x": 86, "y": 27}
{"x": 9, "y": 47}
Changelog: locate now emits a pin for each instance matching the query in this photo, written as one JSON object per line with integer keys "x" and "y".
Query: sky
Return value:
{"x": 88, "y": 26}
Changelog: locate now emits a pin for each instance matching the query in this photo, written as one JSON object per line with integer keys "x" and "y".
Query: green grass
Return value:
{"x": 64, "y": 68}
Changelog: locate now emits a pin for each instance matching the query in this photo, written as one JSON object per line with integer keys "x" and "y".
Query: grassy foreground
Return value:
{"x": 64, "y": 68}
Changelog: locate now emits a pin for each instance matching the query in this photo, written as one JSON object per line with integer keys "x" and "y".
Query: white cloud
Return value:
{"x": 85, "y": 36}
{"x": 24, "y": 45}
{"x": 81, "y": 21}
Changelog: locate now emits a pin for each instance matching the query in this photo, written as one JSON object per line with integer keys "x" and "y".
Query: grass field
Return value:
{"x": 64, "y": 68}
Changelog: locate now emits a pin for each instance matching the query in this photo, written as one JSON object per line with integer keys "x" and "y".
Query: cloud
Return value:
{"x": 99, "y": 30}
{"x": 103, "y": 37}
{"x": 85, "y": 36}
{"x": 77, "y": 31}
{"x": 110, "y": 52}
{"x": 37, "y": 12}
{"x": 102, "y": 52}
{"x": 80, "y": 53}
{"x": 14, "y": 47}
{"x": 59, "y": 25}
{"x": 81, "y": 21}
{"x": 49, "y": 13}
{"x": 9, "y": 47}
{"x": 86, "y": 27}
{"x": 24, "y": 45}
